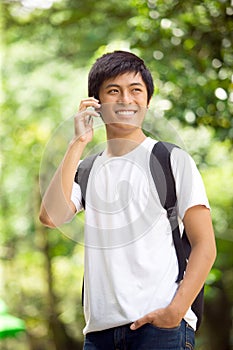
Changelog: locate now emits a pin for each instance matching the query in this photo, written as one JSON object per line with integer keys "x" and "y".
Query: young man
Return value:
{"x": 131, "y": 298}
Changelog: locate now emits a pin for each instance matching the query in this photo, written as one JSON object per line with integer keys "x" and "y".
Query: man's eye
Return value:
{"x": 113, "y": 91}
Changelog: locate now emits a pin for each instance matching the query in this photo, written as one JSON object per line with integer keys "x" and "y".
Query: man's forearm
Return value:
{"x": 199, "y": 265}
{"x": 199, "y": 228}
{"x": 56, "y": 205}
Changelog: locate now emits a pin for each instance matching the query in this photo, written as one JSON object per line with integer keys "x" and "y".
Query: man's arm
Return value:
{"x": 57, "y": 207}
{"x": 199, "y": 229}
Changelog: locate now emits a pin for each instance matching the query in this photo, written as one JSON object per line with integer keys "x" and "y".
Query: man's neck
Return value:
{"x": 121, "y": 143}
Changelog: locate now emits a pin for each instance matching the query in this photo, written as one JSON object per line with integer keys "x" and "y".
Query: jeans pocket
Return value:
{"x": 165, "y": 329}
{"x": 164, "y": 338}
{"x": 190, "y": 338}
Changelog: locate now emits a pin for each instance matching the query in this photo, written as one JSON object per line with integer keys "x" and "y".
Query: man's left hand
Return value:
{"x": 162, "y": 318}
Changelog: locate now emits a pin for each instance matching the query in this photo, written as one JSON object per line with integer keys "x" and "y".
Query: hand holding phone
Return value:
{"x": 83, "y": 120}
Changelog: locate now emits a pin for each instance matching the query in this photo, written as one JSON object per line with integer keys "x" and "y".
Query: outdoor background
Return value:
{"x": 47, "y": 48}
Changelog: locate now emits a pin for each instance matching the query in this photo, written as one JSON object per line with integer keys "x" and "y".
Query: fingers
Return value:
{"x": 163, "y": 318}
{"x": 89, "y": 102}
{"x": 139, "y": 323}
{"x": 83, "y": 119}
{"x": 87, "y": 110}
{"x": 85, "y": 114}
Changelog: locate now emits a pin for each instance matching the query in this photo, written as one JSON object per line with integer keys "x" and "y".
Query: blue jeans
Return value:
{"x": 148, "y": 337}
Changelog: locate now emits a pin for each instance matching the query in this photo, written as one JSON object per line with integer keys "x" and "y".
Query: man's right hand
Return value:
{"x": 83, "y": 122}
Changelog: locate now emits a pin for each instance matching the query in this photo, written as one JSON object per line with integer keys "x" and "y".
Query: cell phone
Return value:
{"x": 90, "y": 117}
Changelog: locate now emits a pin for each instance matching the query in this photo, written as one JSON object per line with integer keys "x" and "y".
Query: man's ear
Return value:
{"x": 148, "y": 103}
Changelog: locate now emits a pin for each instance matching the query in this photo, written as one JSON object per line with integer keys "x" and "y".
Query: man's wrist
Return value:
{"x": 78, "y": 142}
{"x": 176, "y": 313}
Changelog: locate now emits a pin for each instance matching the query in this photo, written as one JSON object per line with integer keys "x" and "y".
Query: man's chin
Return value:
{"x": 123, "y": 125}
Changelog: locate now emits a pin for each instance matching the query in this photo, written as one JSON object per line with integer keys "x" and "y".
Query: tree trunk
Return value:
{"x": 218, "y": 321}
{"x": 59, "y": 338}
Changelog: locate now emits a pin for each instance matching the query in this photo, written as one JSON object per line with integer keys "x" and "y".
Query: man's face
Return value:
{"x": 124, "y": 100}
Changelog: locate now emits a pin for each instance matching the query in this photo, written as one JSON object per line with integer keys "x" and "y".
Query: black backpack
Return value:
{"x": 161, "y": 171}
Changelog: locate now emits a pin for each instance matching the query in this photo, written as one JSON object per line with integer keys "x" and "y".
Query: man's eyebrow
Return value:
{"x": 116, "y": 85}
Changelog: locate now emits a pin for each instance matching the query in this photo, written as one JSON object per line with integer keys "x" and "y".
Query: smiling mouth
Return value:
{"x": 126, "y": 112}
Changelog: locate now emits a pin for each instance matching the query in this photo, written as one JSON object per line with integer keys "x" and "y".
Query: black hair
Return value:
{"x": 113, "y": 64}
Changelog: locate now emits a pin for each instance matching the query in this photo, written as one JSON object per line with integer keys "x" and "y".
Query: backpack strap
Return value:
{"x": 82, "y": 174}
{"x": 161, "y": 171}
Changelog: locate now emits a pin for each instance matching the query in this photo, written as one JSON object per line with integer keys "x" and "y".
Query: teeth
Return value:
{"x": 125, "y": 112}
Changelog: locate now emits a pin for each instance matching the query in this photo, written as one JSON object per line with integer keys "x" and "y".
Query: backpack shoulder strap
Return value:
{"x": 82, "y": 174}
{"x": 161, "y": 171}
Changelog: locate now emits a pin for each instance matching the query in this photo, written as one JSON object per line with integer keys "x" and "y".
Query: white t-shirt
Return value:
{"x": 130, "y": 260}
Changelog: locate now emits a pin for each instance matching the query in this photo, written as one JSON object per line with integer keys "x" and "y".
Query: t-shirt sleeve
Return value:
{"x": 190, "y": 188}
{"x": 76, "y": 196}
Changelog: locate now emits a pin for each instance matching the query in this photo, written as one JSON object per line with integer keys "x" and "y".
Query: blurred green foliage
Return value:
{"x": 47, "y": 48}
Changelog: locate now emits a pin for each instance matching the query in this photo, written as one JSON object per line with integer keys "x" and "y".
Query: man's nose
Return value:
{"x": 125, "y": 97}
